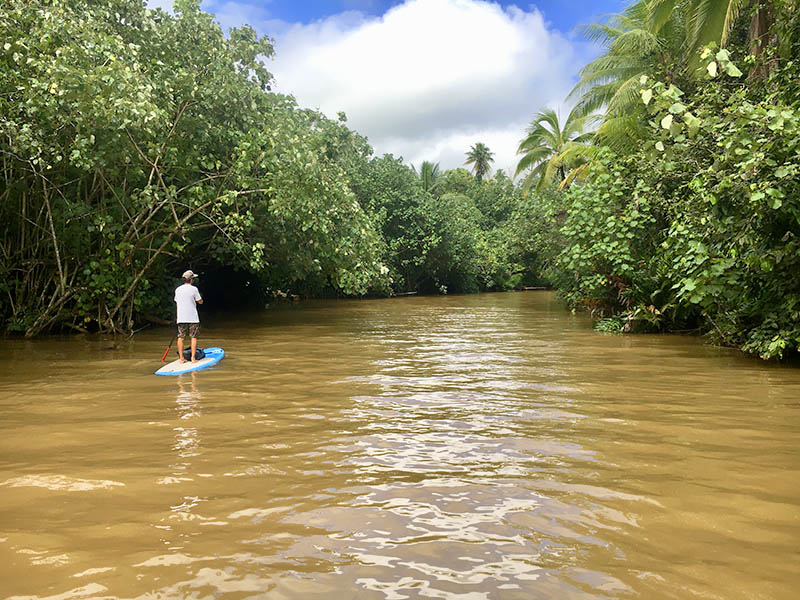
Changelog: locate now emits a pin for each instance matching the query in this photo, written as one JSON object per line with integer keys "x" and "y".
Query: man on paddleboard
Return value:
{"x": 187, "y": 297}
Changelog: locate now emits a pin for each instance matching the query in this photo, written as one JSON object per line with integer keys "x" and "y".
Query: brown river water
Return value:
{"x": 467, "y": 447}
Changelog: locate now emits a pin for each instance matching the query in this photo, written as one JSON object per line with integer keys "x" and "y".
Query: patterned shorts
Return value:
{"x": 188, "y": 329}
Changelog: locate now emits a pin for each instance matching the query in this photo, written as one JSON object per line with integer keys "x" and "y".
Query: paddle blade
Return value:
{"x": 164, "y": 358}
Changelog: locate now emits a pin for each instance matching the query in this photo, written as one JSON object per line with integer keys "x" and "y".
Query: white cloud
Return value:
{"x": 430, "y": 77}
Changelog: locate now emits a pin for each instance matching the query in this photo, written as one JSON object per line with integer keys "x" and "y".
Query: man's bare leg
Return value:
{"x": 180, "y": 349}
{"x": 194, "y": 349}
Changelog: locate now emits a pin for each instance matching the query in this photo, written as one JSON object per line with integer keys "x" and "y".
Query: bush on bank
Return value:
{"x": 699, "y": 227}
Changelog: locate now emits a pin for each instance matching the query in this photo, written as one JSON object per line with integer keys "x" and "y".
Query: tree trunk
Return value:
{"x": 762, "y": 38}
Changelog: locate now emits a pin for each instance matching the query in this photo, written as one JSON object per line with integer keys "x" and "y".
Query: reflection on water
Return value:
{"x": 463, "y": 448}
{"x": 187, "y": 439}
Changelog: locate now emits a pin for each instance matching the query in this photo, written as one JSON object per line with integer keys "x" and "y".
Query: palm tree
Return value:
{"x": 611, "y": 82}
{"x": 661, "y": 38}
{"x": 430, "y": 176}
{"x": 546, "y": 142}
{"x": 713, "y": 20}
{"x": 480, "y": 158}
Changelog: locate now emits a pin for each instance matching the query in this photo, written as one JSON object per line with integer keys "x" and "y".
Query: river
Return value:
{"x": 459, "y": 447}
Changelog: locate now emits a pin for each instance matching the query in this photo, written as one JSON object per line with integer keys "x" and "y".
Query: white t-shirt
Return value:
{"x": 186, "y": 297}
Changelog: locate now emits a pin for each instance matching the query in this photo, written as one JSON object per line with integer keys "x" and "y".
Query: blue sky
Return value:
{"x": 425, "y": 79}
{"x": 563, "y": 14}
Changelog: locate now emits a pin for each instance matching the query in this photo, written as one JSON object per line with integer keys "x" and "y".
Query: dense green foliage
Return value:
{"x": 438, "y": 230}
{"x": 135, "y": 143}
{"x": 694, "y": 224}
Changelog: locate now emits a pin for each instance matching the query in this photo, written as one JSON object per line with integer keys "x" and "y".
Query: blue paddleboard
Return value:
{"x": 213, "y": 356}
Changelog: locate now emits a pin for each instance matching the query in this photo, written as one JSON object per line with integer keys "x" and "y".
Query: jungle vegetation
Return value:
{"x": 135, "y": 143}
{"x": 684, "y": 214}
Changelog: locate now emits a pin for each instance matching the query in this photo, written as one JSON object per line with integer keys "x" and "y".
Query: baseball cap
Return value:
{"x": 189, "y": 275}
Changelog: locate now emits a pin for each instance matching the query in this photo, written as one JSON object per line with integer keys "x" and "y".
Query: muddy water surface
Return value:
{"x": 474, "y": 447}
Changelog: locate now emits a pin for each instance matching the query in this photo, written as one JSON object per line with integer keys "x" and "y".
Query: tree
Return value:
{"x": 545, "y": 143}
{"x": 495, "y": 198}
{"x": 430, "y": 176}
{"x": 713, "y": 21}
{"x": 399, "y": 208}
{"x": 636, "y": 46}
{"x": 453, "y": 261}
{"x": 480, "y": 158}
{"x": 457, "y": 181}
{"x": 134, "y": 140}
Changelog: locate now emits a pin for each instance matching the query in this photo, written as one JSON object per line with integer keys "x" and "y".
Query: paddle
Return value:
{"x": 164, "y": 358}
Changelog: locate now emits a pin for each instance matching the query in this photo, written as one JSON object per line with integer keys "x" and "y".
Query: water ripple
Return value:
{"x": 486, "y": 447}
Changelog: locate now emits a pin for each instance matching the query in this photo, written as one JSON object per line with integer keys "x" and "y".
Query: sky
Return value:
{"x": 425, "y": 79}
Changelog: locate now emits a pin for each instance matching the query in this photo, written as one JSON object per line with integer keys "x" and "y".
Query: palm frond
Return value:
{"x": 731, "y": 15}
{"x": 639, "y": 41}
{"x": 599, "y": 33}
{"x": 646, "y": 36}
{"x": 531, "y": 158}
{"x": 545, "y": 142}
{"x": 627, "y": 97}
{"x": 533, "y": 178}
{"x": 621, "y": 132}
{"x": 578, "y": 153}
{"x": 550, "y": 169}
{"x": 660, "y": 13}
{"x": 577, "y": 174}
